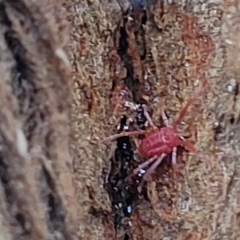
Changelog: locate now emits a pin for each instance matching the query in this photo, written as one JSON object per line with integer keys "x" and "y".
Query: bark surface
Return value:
{"x": 65, "y": 68}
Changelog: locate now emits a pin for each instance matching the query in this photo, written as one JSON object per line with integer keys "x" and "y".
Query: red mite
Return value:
{"x": 163, "y": 141}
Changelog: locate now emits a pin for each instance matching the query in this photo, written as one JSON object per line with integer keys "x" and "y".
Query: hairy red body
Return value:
{"x": 157, "y": 143}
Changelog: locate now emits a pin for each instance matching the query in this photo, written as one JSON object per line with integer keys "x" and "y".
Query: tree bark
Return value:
{"x": 65, "y": 68}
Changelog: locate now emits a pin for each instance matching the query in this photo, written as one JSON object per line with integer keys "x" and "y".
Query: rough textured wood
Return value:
{"x": 63, "y": 65}
{"x": 36, "y": 167}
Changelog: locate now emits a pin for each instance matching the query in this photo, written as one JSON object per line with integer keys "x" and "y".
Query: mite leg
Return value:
{"x": 190, "y": 101}
{"x": 141, "y": 166}
{"x": 190, "y": 147}
{"x": 165, "y": 119}
{"x": 145, "y": 112}
{"x": 147, "y": 116}
{"x": 175, "y": 165}
{"x": 115, "y": 136}
{"x": 151, "y": 170}
{"x": 154, "y": 166}
{"x": 174, "y": 157}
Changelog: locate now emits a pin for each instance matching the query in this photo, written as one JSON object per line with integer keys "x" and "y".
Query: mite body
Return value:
{"x": 160, "y": 142}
